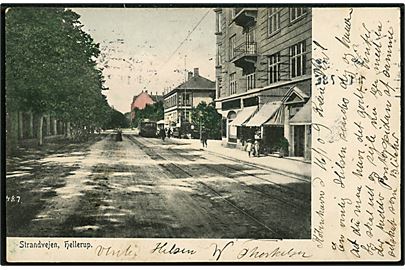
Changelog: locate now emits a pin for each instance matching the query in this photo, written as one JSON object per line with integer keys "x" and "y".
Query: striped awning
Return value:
{"x": 243, "y": 116}
{"x": 264, "y": 114}
{"x": 277, "y": 119}
{"x": 303, "y": 116}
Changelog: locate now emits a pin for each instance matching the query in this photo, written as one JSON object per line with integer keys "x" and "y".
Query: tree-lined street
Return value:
{"x": 75, "y": 169}
{"x": 52, "y": 71}
{"x": 141, "y": 187}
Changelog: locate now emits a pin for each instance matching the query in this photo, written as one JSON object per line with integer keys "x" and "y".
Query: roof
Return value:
{"x": 304, "y": 115}
{"x": 264, "y": 114}
{"x": 243, "y": 116}
{"x": 140, "y": 101}
{"x": 196, "y": 82}
{"x": 301, "y": 93}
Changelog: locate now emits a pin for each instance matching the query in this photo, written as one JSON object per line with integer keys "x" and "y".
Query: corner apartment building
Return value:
{"x": 263, "y": 75}
{"x": 179, "y": 102}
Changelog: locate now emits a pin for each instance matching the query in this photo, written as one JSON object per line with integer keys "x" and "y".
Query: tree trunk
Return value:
{"x": 31, "y": 127}
{"x": 68, "y": 131}
{"x": 48, "y": 125}
{"x": 12, "y": 132}
{"x": 63, "y": 128}
{"x": 55, "y": 127}
{"x": 40, "y": 138}
{"x": 20, "y": 125}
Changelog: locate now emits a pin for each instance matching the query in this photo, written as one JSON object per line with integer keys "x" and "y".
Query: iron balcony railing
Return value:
{"x": 244, "y": 49}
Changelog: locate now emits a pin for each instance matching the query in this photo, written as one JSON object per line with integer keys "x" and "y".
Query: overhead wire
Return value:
{"x": 188, "y": 35}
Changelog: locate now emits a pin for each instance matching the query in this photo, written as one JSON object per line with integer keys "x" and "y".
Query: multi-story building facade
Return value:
{"x": 263, "y": 75}
{"x": 179, "y": 102}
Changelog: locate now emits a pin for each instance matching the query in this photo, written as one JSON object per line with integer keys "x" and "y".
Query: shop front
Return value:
{"x": 237, "y": 131}
{"x": 273, "y": 133}
{"x": 270, "y": 134}
{"x": 301, "y": 125}
{"x": 232, "y": 132}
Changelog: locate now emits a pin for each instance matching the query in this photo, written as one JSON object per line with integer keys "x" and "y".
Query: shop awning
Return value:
{"x": 161, "y": 122}
{"x": 277, "y": 119}
{"x": 264, "y": 114}
{"x": 243, "y": 115}
{"x": 303, "y": 116}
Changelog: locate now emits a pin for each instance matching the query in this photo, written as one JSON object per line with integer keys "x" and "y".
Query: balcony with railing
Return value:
{"x": 244, "y": 16}
{"x": 244, "y": 55}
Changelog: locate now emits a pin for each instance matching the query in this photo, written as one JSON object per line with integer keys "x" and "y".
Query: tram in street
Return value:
{"x": 148, "y": 128}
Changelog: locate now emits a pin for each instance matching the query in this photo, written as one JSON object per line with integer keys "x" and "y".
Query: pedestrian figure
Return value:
{"x": 118, "y": 136}
{"x": 204, "y": 138}
{"x": 249, "y": 147}
{"x": 162, "y": 134}
{"x": 169, "y": 133}
{"x": 257, "y": 144}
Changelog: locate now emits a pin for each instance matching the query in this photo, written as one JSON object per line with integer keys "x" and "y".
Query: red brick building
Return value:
{"x": 140, "y": 101}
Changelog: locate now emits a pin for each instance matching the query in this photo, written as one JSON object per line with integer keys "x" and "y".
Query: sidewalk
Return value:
{"x": 289, "y": 166}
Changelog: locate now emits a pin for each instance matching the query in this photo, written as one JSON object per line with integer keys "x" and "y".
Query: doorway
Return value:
{"x": 299, "y": 140}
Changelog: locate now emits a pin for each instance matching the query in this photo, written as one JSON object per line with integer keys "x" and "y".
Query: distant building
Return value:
{"x": 179, "y": 101}
{"x": 263, "y": 75}
{"x": 140, "y": 101}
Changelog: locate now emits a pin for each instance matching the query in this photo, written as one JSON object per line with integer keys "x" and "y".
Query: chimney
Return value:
{"x": 196, "y": 72}
{"x": 190, "y": 75}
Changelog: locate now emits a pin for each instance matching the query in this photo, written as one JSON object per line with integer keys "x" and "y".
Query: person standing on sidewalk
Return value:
{"x": 162, "y": 134}
{"x": 257, "y": 144}
{"x": 204, "y": 138}
{"x": 249, "y": 147}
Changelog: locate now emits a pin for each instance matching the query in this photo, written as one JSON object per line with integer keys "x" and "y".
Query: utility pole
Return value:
{"x": 185, "y": 88}
{"x": 199, "y": 114}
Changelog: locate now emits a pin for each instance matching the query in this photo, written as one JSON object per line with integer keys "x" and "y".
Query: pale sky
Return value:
{"x": 137, "y": 44}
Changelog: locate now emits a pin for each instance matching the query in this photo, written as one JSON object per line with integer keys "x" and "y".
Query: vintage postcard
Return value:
{"x": 202, "y": 134}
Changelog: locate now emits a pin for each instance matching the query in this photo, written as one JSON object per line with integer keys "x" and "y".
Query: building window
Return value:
{"x": 251, "y": 41}
{"x": 273, "y": 21}
{"x": 184, "y": 116}
{"x": 218, "y": 22}
{"x": 274, "y": 68}
{"x": 184, "y": 99}
{"x": 296, "y": 13}
{"x": 219, "y": 58}
{"x": 232, "y": 83}
{"x": 250, "y": 36}
{"x": 250, "y": 80}
{"x": 173, "y": 100}
{"x": 232, "y": 45}
{"x": 298, "y": 59}
{"x": 219, "y": 86}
